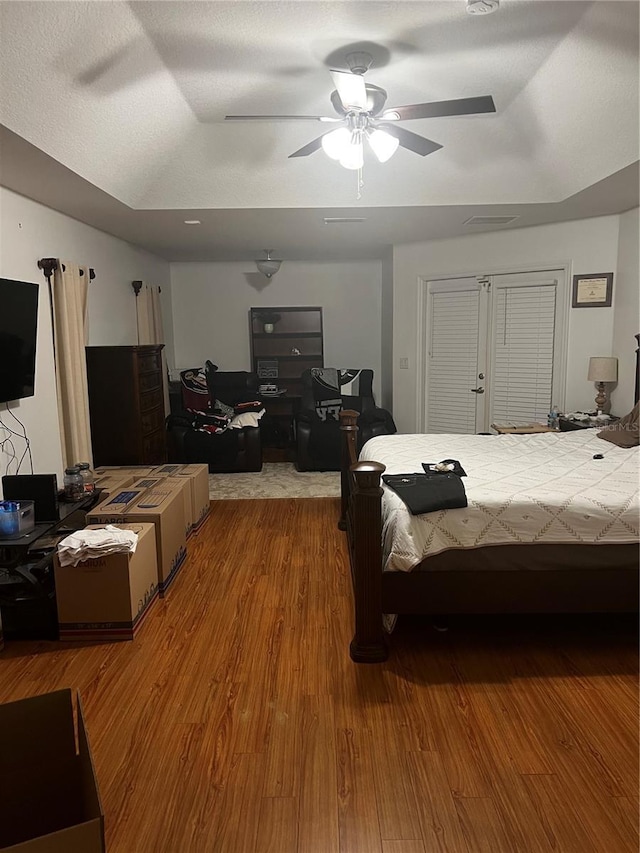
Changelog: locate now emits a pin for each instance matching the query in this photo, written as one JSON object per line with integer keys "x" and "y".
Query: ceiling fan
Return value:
{"x": 362, "y": 115}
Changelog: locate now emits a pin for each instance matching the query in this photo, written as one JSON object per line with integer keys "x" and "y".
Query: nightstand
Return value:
{"x": 568, "y": 424}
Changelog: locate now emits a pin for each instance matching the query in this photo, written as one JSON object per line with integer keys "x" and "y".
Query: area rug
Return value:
{"x": 276, "y": 480}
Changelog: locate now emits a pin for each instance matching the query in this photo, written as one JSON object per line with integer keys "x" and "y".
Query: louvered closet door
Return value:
{"x": 525, "y": 343}
{"x": 494, "y": 350}
{"x": 456, "y": 353}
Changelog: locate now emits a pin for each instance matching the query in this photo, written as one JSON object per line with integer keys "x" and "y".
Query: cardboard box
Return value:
{"x": 107, "y": 598}
{"x": 181, "y": 485}
{"x": 50, "y": 801}
{"x": 135, "y": 471}
{"x": 161, "y": 505}
{"x": 114, "y": 482}
{"x": 198, "y": 476}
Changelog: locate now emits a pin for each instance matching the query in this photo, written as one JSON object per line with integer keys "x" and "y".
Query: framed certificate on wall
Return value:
{"x": 592, "y": 291}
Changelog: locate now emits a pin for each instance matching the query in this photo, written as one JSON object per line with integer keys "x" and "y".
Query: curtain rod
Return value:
{"x": 137, "y": 287}
{"x": 50, "y": 265}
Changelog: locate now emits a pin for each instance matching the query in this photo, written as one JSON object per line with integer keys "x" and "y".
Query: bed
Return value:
{"x": 548, "y": 528}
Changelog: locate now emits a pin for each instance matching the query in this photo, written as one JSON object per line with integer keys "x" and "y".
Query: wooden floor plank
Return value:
{"x": 405, "y": 846}
{"x": 284, "y": 749}
{"x": 239, "y": 814}
{"x": 397, "y": 808}
{"x": 482, "y": 827}
{"x": 579, "y": 824}
{"x": 318, "y": 822}
{"x": 278, "y": 825}
{"x": 357, "y": 806}
{"x": 236, "y": 722}
{"x": 439, "y": 820}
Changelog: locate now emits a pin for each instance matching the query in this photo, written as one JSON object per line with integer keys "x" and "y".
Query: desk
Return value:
{"x": 525, "y": 429}
{"x": 278, "y": 424}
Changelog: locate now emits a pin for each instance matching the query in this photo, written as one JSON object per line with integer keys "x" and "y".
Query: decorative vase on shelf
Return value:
{"x": 268, "y": 327}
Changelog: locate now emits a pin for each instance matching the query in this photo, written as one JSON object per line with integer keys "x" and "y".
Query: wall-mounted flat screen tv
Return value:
{"x": 18, "y": 328}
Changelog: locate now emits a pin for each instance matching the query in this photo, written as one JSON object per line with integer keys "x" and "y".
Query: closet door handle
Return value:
{"x": 478, "y": 390}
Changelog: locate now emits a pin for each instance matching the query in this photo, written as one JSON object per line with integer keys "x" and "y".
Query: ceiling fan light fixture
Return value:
{"x": 268, "y": 266}
{"x": 353, "y": 155}
{"x": 335, "y": 143}
{"x": 383, "y": 145}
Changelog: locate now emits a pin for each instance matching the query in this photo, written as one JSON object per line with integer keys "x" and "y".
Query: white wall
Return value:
{"x": 211, "y": 304}
{"x": 626, "y": 318}
{"x": 386, "y": 343}
{"x": 589, "y": 245}
{"x": 29, "y": 231}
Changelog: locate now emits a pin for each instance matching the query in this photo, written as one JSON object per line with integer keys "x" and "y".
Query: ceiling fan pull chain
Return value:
{"x": 360, "y": 183}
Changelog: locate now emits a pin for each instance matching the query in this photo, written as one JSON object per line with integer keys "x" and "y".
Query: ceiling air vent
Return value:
{"x": 342, "y": 220}
{"x": 491, "y": 220}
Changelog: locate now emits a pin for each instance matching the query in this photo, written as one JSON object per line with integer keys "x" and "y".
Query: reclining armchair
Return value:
{"x": 201, "y": 431}
{"x": 325, "y": 391}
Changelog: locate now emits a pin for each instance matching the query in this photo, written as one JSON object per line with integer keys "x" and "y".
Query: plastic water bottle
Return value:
{"x": 552, "y": 420}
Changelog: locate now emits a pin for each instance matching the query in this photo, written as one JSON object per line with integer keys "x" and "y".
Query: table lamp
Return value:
{"x": 602, "y": 369}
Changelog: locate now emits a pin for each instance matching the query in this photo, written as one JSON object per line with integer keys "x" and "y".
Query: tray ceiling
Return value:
{"x": 131, "y": 98}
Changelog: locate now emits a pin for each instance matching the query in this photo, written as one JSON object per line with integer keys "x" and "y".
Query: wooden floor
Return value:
{"x": 236, "y": 722}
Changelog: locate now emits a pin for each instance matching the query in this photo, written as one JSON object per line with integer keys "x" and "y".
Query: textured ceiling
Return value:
{"x": 131, "y": 97}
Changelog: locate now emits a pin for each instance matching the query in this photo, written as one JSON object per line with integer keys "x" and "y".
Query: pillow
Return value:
{"x": 246, "y": 419}
{"x": 325, "y": 387}
{"x": 625, "y": 432}
{"x": 195, "y": 393}
{"x": 221, "y": 408}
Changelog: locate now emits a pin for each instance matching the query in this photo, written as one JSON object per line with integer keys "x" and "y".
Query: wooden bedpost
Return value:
{"x": 368, "y": 644}
{"x": 349, "y": 428}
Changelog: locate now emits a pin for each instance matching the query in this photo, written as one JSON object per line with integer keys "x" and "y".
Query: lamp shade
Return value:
{"x": 335, "y": 143}
{"x": 603, "y": 369}
{"x": 353, "y": 156}
{"x": 382, "y": 144}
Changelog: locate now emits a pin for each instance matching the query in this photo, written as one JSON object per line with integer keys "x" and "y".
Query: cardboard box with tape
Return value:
{"x": 50, "y": 801}
{"x": 198, "y": 477}
{"x": 135, "y": 471}
{"x": 107, "y": 598}
{"x": 181, "y": 485}
{"x": 113, "y": 482}
{"x": 162, "y": 506}
{"x": 196, "y": 474}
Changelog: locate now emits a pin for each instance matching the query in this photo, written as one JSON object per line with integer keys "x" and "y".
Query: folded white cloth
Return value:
{"x": 244, "y": 419}
{"x": 89, "y": 544}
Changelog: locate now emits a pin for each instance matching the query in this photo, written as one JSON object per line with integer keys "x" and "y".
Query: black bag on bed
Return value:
{"x": 428, "y": 492}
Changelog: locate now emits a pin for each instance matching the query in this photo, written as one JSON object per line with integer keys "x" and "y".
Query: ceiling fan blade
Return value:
{"x": 309, "y": 148}
{"x": 435, "y": 109}
{"x": 351, "y": 89}
{"x": 282, "y": 118}
{"x": 418, "y": 144}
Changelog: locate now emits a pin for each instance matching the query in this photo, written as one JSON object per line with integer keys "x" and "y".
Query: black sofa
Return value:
{"x": 317, "y": 424}
{"x": 229, "y": 451}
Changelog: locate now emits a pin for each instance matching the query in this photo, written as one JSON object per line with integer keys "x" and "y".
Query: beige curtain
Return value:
{"x": 69, "y": 300}
{"x": 150, "y": 329}
{"x": 149, "y": 315}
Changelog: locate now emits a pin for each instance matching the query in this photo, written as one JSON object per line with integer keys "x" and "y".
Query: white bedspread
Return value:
{"x": 520, "y": 489}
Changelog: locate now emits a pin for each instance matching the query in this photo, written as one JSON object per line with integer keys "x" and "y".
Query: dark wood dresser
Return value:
{"x": 126, "y": 405}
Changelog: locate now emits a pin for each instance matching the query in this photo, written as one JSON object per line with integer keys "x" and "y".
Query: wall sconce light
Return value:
{"x": 268, "y": 266}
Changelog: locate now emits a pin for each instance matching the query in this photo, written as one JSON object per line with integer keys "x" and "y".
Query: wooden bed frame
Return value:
{"x": 575, "y": 579}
